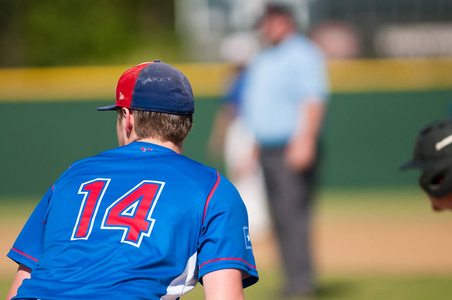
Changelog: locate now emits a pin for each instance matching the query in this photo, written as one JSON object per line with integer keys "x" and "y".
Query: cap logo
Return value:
{"x": 443, "y": 143}
{"x": 121, "y": 96}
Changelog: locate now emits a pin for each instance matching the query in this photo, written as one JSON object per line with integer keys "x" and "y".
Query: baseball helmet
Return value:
{"x": 433, "y": 155}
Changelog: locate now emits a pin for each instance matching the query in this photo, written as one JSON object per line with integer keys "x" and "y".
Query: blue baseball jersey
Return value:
{"x": 135, "y": 222}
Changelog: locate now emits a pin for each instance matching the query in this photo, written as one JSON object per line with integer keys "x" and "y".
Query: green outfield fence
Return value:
{"x": 49, "y": 119}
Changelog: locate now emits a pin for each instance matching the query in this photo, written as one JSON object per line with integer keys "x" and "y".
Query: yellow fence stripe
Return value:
{"x": 88, "y": 83}
{"x": 391, "y": 75}
{"x": 208, "y": 80}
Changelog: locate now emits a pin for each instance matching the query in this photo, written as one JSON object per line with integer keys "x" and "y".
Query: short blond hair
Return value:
{"x": 161, "y": 126}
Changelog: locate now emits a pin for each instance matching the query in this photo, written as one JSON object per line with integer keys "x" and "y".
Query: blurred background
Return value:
{"x": 389, "y": 64}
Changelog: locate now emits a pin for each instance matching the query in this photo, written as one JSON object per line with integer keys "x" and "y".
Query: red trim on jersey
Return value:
{"x": 228, "y": 258}
{"x": 126, "y": 85}
{"x": 20, "y": 252}
{"x": 210, "y": 196}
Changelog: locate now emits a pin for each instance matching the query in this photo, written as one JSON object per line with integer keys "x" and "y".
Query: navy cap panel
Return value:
{"x": 161, "y": 87}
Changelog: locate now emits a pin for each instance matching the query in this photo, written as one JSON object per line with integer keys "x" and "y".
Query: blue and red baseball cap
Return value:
{"x": 154, "y": 86}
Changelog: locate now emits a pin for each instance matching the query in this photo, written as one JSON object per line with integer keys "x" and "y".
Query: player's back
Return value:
{"x": 125, "y": 222}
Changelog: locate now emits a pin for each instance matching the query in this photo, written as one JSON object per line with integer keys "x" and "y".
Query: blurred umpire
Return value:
{"x": 284, "y": 99}
{"x": 433, "y": 156}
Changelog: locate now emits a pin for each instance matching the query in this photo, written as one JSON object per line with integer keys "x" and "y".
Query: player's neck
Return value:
{"x": 125, "y": 138}
{"x": 170, "y": 145}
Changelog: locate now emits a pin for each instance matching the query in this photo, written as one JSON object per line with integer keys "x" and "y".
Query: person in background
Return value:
{"x": 433, "y": 156}
{"x": 284, "y": 102}
{"x": 231, "y": 142}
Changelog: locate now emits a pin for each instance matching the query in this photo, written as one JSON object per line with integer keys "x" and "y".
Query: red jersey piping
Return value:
{"x": 210, "y": 196}
{"x": 228, "y": 258}
{"x": 26, "y": 255}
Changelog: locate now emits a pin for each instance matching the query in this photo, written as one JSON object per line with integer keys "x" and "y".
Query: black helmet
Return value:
{"x": 433, "y": 155}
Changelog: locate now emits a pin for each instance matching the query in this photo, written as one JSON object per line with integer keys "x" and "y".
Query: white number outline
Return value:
{"x": 148, "y": 218}
{"x": 82, "y": 207}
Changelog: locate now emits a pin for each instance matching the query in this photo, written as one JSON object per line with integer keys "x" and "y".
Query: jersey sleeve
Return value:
{"x": 225, "y": 242}
{"x": 28, "y": 245}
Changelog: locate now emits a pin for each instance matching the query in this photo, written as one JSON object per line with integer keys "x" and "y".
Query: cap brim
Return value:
{"x": 109, "y": 107}
{"x": 425, "y": 165}
{"x": 409, "y": 165}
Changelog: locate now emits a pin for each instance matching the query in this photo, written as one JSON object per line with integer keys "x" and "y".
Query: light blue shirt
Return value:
{"x": 278, "y": 80}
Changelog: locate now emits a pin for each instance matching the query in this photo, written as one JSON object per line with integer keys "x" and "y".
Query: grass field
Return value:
{"x": 355, "y": 288}
{"x": 342, "y": 288}
{"x": 369, "y": 244}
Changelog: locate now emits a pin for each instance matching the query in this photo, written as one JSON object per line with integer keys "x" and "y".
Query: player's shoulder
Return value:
{"x": 225, "y": 198}
{"x": 98, "y": 156}
{"x": 202, "y": 176}
{"x": 92, "y": 162}
{"x": 195, "y": 170}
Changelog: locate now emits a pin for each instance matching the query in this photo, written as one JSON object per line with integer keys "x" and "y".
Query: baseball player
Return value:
{"x": 433, "y": 155}
{"x": 141, "y": 221}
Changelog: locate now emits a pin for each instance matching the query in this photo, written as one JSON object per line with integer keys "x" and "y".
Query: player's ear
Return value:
{"x": 129, "y": 119}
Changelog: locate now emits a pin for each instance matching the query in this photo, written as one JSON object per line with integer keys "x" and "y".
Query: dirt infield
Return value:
{"x": 351, "y": 238}
{"x": 373, "y": 245}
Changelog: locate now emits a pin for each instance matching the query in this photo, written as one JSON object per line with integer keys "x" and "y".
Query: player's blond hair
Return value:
{"x": 162, "y": 126}
{"x": 166, "y": 127}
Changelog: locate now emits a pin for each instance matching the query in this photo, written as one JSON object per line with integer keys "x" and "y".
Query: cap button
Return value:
{"x": 157, "y": 60}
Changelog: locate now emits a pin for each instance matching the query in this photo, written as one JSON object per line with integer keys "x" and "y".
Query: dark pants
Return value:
{"x": 290, "y": 196}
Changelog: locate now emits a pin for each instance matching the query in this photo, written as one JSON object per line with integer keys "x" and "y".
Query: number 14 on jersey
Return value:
{"x": 131, "y": 213}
